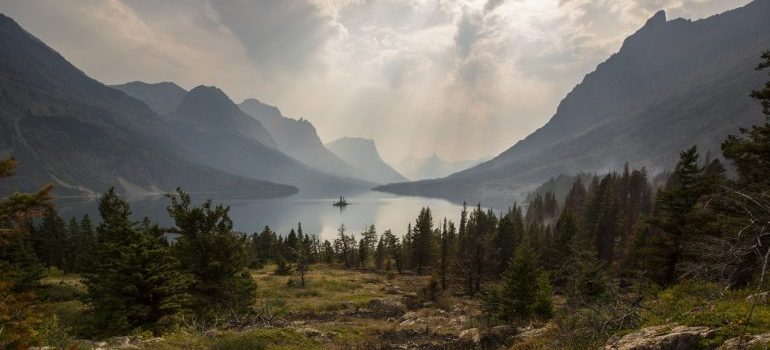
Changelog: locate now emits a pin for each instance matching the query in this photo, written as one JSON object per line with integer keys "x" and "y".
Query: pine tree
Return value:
{"x": 394, "y": 250}
{"x": 446, "y": 251}
{"x": 750, "y": 151}
{"x": 139, "y": 283}
{"x": 674, "y": 205}
{"x": 303, "y": 259}
{"x": 422, "y": 252}
{"x": 16, "y": 211}
{"x": 565, "y": 236}
{"x": 505, "y": 241}
{"x": 216, "y": 256}
{"x": 51, "y": 240}
{"x": 525, "y": 291}
{"x": 380, "y": 254}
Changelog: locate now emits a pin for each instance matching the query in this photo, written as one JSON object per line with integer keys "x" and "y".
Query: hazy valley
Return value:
{"x": 168, "y": 215}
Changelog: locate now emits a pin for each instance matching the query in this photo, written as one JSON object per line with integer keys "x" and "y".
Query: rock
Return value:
{"x": 759, "y": 298}
{"x": 427, "y": 304}
{"x": 498, "y": 336}
{"x": 411, "y": 322}
{"x": 759, "y": 341}
{"x": 315, "y": 333}
{"x": 471, "y": 335}
{"x": 409, "y": 315}
{"x": 391, "y": 289}
{"x": 389, "y": 307}
{"x": 667, "y": 337}
{"x": 125, "y": 342}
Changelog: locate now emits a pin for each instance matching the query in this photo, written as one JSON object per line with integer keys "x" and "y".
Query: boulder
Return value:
{"x": 472, "y": 335}
{"x": 759, "y": 298}
{"x": 667, "y": 337}
{"x": 759, "y": 341}
{"x": 498, "y": 336}
{"x": 388, "y": 307}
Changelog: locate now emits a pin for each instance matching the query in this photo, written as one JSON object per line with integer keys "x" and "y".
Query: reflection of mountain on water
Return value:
{"x": 282, "y": 214}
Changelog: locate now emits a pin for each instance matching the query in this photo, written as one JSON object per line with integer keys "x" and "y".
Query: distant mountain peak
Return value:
{"x": 163, "y": 97}
{"x": 363, "y": 153}
{"x": 264, "y": 110}
{"x": 207, "y": 100}
{"x": 657, "y": 19}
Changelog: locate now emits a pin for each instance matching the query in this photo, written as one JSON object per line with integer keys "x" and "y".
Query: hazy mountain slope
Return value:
{"x": 162, "y": 98}
{"x": 433, "y": 167}
{"x": 299, "y": 139}
{"x": 363, "y": 154}
{"x": 68, "y": 129}
{"x": 212, "y": 128}
{"x": 671, "y": 85}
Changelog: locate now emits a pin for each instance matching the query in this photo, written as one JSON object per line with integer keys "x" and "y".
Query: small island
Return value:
{"x": 341, "y": 203}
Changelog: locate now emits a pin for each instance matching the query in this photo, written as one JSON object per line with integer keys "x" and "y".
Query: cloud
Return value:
{"x": 280, "y": 36}
{"x": 491, "y": 5}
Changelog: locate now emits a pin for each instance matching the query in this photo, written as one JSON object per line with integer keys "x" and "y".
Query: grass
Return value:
{"x": 326, "y": 289}
{"x": 707, "y": 304}
{"x": 273, "y": 338}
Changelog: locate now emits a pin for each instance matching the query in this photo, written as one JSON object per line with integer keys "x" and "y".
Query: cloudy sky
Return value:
{"x": 462, "y": 78}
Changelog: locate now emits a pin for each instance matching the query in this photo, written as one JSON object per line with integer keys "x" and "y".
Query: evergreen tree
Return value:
{"x": 525, "y": 292}
{"x": 750, "y": 151}
{"x": 16, "y": 211}
{"x": 380, "y": 254}
{"x": 422, "y": 252}
{"x": 674, "y": 205}
{"x": 139, "y": 283}
{"x": 344, "y": 247}
{"x": 303, "y": 258}
{"x": 367, "y": 246}
{"x": 327, "y": 252}
{"x": 51, "y": 241}
{"x": 565, "y": 235}
{"x": 505, "y": 241}
{"x": 447, "y": 236}
{"x": 213, "y": 254}
{"x": 394, "y": 250}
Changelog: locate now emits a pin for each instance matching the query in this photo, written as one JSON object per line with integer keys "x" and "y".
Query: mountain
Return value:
{"x": 363, "y": 154}
{"x": 210, "y": 110}
{"x": 672, "y": 84}
{"x": 162, "y": 98}
{"x": 433, "y": 167}
{"x": 211, "y": 127}
{"x": 299, "y": 139}
{"x": 84, "y": 137}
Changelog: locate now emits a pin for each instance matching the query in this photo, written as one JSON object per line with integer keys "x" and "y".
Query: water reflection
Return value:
{"x": 318, "y": 215}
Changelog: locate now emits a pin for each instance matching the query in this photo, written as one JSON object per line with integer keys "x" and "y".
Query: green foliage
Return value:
{"x": 213, "y": 254}
{"x": 525, "y": 291}
{"x": 239, "y": 342}
{"x": 750, "y": 152}
{"x": 18, "y": 265}
{"x": 423, "y": 244}
{"x": 139, "y": 283}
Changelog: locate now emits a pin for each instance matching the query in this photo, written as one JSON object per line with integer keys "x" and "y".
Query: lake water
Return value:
{"x": 317, "y": 215}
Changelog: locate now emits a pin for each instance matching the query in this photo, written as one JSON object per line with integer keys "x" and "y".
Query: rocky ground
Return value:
{"x": 344, "y": 309}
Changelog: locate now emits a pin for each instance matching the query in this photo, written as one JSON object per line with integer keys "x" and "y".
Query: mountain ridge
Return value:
{"x": 363, "y": 153}
{"x": 71, "y": 130}
{"x": 671, "y": 84}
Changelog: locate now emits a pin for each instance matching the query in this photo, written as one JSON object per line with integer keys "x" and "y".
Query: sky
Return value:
{"x": 465, "y": 79}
